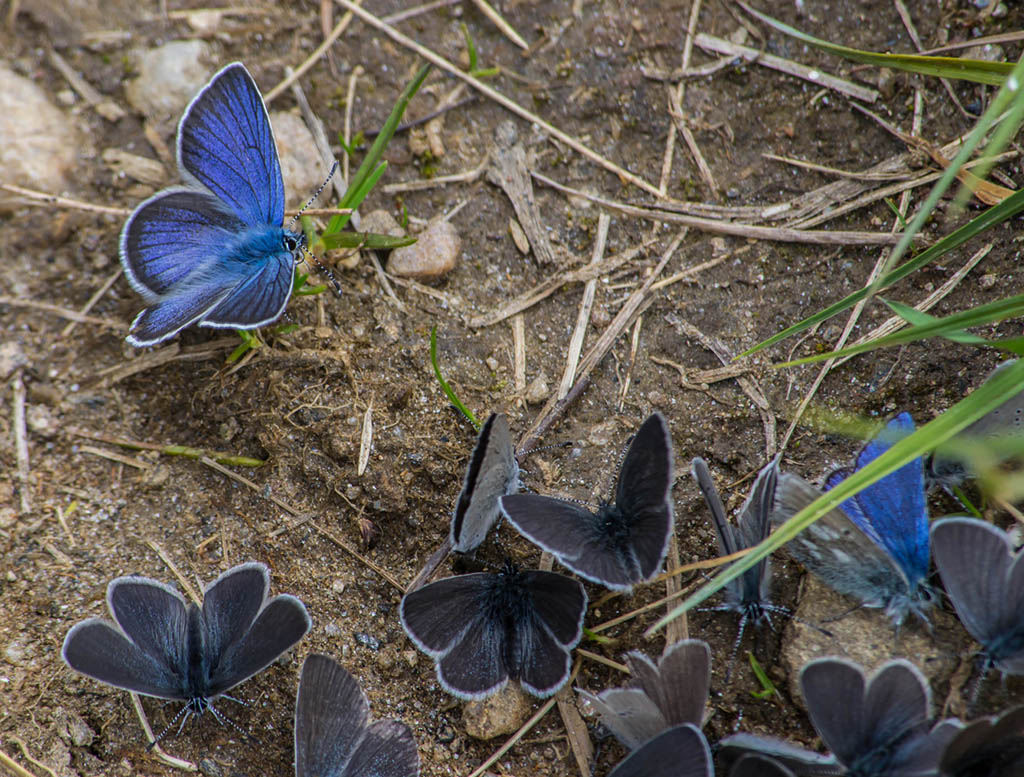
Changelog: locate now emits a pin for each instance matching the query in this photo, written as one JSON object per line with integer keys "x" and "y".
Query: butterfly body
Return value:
{"x": 214, "y": 251}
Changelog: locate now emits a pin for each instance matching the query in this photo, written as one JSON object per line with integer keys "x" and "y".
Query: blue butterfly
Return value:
{"x": 213, "y": 251}
{"x": 874, "y": 546}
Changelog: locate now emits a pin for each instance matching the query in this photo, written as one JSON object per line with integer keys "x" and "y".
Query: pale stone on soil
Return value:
{"x": 39, "y": 141}
{"x": 433, "y": 255}
{"x": 169, "y": 77}
{"x": 301, "y": 165}
{"x": 502, "y": 713}
{"x": 866, "y": 636}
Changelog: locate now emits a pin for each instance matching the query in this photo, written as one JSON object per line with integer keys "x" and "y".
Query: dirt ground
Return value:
{"x": 299, "y": 403}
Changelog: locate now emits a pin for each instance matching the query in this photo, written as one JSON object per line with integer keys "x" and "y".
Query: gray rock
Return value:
{"x": 381, "y": 222}
{"x": 502, "y": 713}
{"x": 39, "y": 142}
{"x": 12, "y": 356}
{"x": 538, "y": 389}
{"x": 866, "y": 636}
{"x": 169, "y": 77}
{"x": 72, "y": 729}
{"x": 301, "y": 165}
{"x": 432, "y": 256}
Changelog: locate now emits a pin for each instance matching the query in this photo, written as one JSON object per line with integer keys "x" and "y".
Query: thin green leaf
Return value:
{"x": 767, "y": 686}
{"x": 444, "y": 384}
{"x": 914, "y": 316}
{"x": 980, "y": 315}
{"x": 376, "y": 152}
{"x": 988, "y": 396}
{"x": 995, "y": 215}
{"x": 371, "y": 240}
{"x": 976, "y": 70}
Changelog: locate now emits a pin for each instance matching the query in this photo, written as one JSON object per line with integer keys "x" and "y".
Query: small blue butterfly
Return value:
{"x": 213, "y": 251}
{"x": 874, "y": 546}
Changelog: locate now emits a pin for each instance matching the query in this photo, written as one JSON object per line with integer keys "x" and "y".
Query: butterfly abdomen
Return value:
{"x": 198, "y": 680}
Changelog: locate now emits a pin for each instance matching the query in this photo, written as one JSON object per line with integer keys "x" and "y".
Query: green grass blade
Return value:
{"x": 914, "y": 316}
{"x": 952, "y": 325}
{"x": 988, "y": 396}
{"x": 989, "y": 218}
{"x": 444, "y": 384}
{"x": 370, "y": 240}
{"x": 373, "y": 156}
{"x": 978, "y": 71}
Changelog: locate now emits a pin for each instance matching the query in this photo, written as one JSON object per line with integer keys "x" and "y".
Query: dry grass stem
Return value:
{"x": 812, "y": 74}
{"x": 781, "y": 234}
{"x": 522, "y": 732}
{"x": 97, "y": 295}
{"x": 21, "y": 443}
{"x": 442, "y": 180}
{"x": 71, "y": 315}
{"x": 42, "y": 198}
{"x": 519, "y": 356}
{"x": 895, "y": 323}
{"x": 880, "y": 266}
{"x": 28, "y": 757}
{"x": 154, "y": 746}
{"x": 191, "y": 592}
{"x": 586, "y": 304}
{"x": 13, "y": 767}
{"x": 746, "y": 382}
{"x": 499, "y": 98}
{"x": 312, "y": 59}
{"x": 597, "y": 658}
{"x": 104, "y": 106}
{"x": 680, "y": 627}
{"x": 349, "y": 101}
{"x": 635, "y": 305}
{"x": 506, "y": 29}
{"x": 549, "y": 287}
{"x": 676, "y": 100}
{"x": 365, "y": 440}
{"x": 119, "y": 458}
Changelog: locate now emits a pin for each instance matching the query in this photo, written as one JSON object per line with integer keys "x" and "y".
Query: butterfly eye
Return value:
{"x": 293, "y": 242}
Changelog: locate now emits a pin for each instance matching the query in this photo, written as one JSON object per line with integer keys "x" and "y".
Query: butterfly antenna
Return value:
{"x": 305, "y": 251}
{"x": 311, "y": 200}
{"x": 182, "y": 716}
{"x": 224, "y": 720}
{"x": 976, "y": 690}
{"x": 524, "y": 454}
{"x": 736, "y": 647}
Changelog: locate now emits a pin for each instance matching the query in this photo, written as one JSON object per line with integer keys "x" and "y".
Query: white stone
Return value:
{"x": 301, "y": 165}
{"x": 169, "y": 77}
{"x": 38, "y": 141}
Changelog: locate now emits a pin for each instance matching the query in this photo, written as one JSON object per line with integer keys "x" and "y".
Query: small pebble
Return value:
{"x": 492, "y": 363}
{"x": 502, "y": 713}
{"x": 368, "y": 640}
{"x": 40, "y": 145}
{"x": 169, "y": 77}
{"x": 381, "y": 222}
{"x": 301, "y": 166}
{"x": 538, "y": 389}
{"x": 11, "y": 358}
{"x": 210, "y": 768}
{"x": 432, "y": 256}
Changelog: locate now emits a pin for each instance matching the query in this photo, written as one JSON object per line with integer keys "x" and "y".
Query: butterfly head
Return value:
{"x": 916, "y": 602}
{"x": 294, "y": 243}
